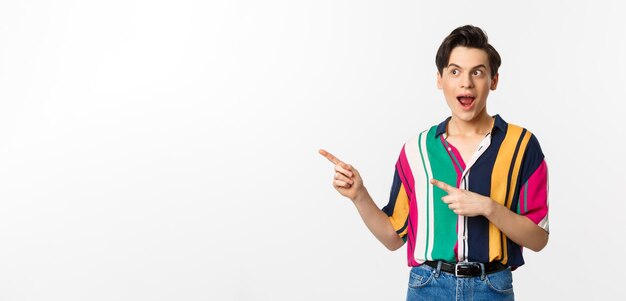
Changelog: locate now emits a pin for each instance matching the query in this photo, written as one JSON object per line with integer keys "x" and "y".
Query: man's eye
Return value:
{"x": 455, "y": 72}
{"x": 478, "y": 72}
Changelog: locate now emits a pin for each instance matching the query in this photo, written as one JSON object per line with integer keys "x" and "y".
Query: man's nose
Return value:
{"x": 466, "y": 81}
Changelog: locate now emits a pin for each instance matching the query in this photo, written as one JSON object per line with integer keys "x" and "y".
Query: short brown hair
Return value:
{"x": 467, "y": 36}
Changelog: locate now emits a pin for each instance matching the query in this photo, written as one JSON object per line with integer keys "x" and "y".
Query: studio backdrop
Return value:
{"x": 167, "y": 150}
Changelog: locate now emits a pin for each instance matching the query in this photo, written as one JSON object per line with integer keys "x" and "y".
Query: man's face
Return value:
{"x": 466, "y": 82}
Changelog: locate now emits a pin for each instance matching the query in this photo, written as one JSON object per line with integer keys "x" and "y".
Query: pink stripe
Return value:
{"x": 456, "y": 245}
{"x": 454, "y": 152}
{"x": 537, "y": 198}
{"x": 406, "y": 175}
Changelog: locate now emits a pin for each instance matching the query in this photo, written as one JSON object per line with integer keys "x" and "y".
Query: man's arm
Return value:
{"x": 348, "y": 182}
{"x": 377, "y": 221}
{"x": 518, "y": 228}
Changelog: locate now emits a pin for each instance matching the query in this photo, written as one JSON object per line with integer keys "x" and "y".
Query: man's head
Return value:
{"x": 467, "y": 69}
{"x": 471, "y": 37}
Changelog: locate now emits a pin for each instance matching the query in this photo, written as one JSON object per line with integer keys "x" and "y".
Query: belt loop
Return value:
{"x": 438, "y": 270}
{"x": 482, "y": 271}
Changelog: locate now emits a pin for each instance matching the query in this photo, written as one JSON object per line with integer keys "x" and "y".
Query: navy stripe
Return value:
{"x": 533, "y": 157}
{"x": 395, "y": 189}
{"x": 406, "y": 223}
{"x": 514, "y": 252}
{"x": 480, "y": 182}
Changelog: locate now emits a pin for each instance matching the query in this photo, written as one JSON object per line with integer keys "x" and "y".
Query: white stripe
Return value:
{"x": 480, "y": 150}
{"x": 431, "y": 208}
{"x": 460, "y": 221}
{"x": 412, "y": 152}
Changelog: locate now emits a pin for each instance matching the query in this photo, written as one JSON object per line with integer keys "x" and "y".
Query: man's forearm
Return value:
{"x": 518, "y": 228}
{"x": 377, "y": 222}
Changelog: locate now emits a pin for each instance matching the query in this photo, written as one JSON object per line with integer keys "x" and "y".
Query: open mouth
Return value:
{"x": 466, "y": 100}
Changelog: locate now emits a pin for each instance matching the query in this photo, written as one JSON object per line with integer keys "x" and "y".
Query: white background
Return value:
{"x": 167, "y": 150}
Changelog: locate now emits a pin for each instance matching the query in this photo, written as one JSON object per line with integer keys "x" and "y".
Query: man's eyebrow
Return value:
{"x": 475, "y": 67}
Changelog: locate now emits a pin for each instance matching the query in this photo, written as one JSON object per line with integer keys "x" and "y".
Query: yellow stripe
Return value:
{"x": 400, "y": 211}
{"x": 516, "y": 167}
{"x": 499, "y": 178}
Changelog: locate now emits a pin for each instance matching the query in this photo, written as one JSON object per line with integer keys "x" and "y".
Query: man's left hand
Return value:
{"x": 464, "y": 202}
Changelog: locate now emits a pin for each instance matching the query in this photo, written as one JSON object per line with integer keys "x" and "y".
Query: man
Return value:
{"x": 468, "y": 193}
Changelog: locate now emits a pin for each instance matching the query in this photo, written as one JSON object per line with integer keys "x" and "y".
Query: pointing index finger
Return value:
{"x": 329, "y": 156}
{"x": 333, "y": 159}
{"x": 444, "y": 186}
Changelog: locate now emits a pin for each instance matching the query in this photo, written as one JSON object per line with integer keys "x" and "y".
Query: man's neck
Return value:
{"x": 479, "y": 126}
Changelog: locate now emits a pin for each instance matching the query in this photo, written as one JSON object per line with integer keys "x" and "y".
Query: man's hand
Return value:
{"x": 348, "y": 183}
{"x": 347, "y": 180}
{"x": 464, "y": 202}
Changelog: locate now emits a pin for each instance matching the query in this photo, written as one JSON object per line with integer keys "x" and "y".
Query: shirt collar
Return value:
{"x": 498, "y": 124}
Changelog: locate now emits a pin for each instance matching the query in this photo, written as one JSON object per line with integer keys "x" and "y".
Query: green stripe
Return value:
{"x": 419, "y": 144}
{"x": 525, "y": 197}
{"x": 445, "y": 219}
{"x": 519, "y": 205}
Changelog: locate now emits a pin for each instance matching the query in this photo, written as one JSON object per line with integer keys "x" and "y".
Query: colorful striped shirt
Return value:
{"x": 508, "y": 167}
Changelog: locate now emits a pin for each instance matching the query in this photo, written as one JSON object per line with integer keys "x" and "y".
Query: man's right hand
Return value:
{"x": 349, "y": 184}
{"x": 347, "y": 180}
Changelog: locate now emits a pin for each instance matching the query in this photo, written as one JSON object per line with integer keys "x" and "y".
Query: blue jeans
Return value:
{"x": 427, "y": 283}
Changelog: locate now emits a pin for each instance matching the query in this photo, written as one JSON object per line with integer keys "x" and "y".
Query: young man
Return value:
{"x": 467, "y": 194}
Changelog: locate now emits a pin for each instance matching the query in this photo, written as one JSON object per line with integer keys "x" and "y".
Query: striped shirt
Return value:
{"x": 508, "y": 167}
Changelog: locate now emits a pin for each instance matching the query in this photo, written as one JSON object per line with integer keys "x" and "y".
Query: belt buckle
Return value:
{"x": 456, "y": 268}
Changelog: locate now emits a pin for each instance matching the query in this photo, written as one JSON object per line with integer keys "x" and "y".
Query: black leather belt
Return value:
{"x": 467, "y": 269}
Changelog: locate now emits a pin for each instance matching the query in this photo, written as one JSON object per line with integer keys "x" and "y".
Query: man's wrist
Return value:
{"x": 490, "y": 208}
{"x": 360, "y": 196}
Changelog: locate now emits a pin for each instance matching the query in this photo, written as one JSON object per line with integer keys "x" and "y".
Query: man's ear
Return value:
{"x": 494, "y": 82}
{"x": 439, "y": 83}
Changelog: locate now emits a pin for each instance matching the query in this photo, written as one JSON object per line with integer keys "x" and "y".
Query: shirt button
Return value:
{"x": 449, "y": 148}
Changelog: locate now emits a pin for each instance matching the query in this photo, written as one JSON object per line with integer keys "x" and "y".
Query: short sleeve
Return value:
{"x": 533, "y": 201}
{"x": 398, "y": 207}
